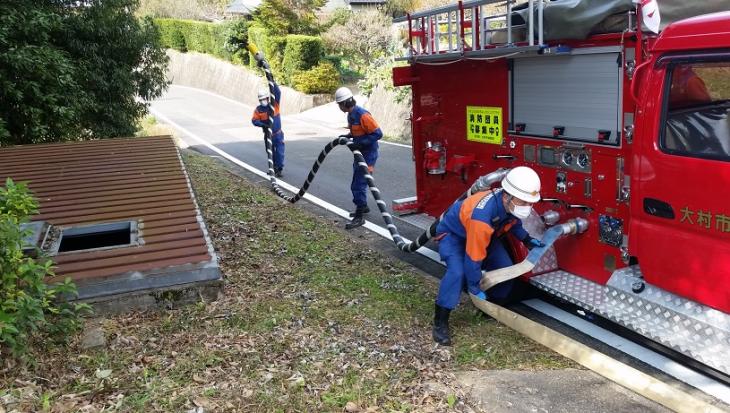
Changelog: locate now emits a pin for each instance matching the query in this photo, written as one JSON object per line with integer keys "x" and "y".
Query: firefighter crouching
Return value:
{"x": 261, "y": 119}
{"x": 365, "y": 133}
{"x": 470, "y": 235}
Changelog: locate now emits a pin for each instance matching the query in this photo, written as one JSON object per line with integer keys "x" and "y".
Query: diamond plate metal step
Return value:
{"x": 695, "y": 330}
{"x": 422, "y": 221}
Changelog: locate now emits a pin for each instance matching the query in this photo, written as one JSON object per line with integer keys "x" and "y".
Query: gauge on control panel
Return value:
{"x": 583, "y": 160}
{"x": 567, "y": 158}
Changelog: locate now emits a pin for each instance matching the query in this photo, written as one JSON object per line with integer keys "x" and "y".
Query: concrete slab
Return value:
{"x": 565, "y": 391}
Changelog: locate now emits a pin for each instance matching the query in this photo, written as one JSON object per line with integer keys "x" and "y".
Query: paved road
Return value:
{"x": 227, "y": 125}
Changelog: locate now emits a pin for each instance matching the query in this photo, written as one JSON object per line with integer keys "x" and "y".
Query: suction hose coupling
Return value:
{"x": 574, "y": 226}
{"x": 486, "y": 181}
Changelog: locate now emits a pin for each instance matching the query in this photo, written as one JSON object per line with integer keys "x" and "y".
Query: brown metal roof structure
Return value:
{"x": 142, "y": 180}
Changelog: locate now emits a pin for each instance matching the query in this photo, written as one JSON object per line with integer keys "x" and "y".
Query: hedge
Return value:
{"x": 301, "y": 53}
{"x": 226, "y": 41}
{"x": 272, "y": 47}
{"x": 323, "y": 78}
{"x": 295, "y": 60}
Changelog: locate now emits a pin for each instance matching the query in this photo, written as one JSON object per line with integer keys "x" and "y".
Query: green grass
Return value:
{"x": 310, "y": 320}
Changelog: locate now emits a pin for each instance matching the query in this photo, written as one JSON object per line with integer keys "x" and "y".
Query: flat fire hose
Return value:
{"x": 492, "y": 278}
{"x": 614, "y": 370}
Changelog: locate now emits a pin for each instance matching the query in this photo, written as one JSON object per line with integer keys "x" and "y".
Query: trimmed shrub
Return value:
{"x": 301, "y": 53}
{"x": 287, "y": 56}
{"x": 177, "y": 41}
{"x": 236, "y": 35}
{"x": 256, "y": 36}
{"x": 323, "y": 78}
{"x": 272, "y": 47}
{"x": 202, "y": 37}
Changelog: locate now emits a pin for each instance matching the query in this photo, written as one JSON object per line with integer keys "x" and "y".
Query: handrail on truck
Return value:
{"x": 464, "y": 27}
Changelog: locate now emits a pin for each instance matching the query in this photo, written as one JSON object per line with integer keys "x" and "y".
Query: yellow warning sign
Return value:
{"x": 484, "y": 124}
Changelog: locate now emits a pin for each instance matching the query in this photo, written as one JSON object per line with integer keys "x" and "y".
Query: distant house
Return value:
{"x": 333, "y": 5}
{"x": 356, "y": 5}
{"x": 242, "y": 7}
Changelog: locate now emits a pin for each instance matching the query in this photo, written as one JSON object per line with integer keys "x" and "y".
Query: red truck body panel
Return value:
{"x": 692, "y": 261}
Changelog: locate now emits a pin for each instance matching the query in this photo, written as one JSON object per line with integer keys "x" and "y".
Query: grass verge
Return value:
{"x": 311, "y": 320}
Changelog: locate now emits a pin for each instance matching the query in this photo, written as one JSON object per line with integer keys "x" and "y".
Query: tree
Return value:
{"x": 282, "y": 17}
{"x": 73, "y": 69}
{"x": 364, "y": 37}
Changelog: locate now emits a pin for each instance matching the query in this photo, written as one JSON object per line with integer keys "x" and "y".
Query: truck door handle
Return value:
{"x": 510, "y": 157}
{"x": 658, "y": 208}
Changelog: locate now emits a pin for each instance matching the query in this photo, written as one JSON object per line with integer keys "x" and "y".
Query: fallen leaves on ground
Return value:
{"x": 310, "y": 320}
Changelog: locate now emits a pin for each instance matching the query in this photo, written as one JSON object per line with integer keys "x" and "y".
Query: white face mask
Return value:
{"x": 521, "y": 211}
{"x": 264, "y": 102}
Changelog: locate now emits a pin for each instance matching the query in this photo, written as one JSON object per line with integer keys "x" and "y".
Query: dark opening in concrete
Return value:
{"x": 96, "y": 236}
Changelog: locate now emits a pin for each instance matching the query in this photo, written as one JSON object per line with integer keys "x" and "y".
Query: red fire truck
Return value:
{"x": 627, "y": 129}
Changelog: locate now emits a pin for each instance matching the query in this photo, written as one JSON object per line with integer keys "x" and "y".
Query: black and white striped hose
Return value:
{"x": 403, "y": 245}
{"x": 362, "y": 164}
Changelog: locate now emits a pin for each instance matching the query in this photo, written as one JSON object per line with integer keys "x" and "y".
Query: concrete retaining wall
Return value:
{"x": 393, "y": 117}
{"x": 236, "y": 82}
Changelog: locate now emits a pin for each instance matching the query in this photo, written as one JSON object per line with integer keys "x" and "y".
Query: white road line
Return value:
{"x": 654, "y": 359}
{"x": 426, "y": 252}
{"x": 684, "y": 374}
{"x": 249, "y": 107}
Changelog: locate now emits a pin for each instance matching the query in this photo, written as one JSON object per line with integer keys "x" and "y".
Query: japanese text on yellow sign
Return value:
{"x": 484, "y": 124}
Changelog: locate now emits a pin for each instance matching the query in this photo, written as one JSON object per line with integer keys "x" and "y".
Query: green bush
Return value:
{"x": 380, "y": 73}
{"x": 29, "y": 308}
{"x": 236, "y": 35}
{"x": 202, "y": 37}
{"x": 287, "y": 56}
{"x": 301, "y": 53}
{"x": 323, "y": 78}
{"x": 177, "y": 41}
{"x": 271, "y": 46}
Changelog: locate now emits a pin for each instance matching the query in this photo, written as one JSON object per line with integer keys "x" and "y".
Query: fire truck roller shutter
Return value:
{"x": 580, "y": 92}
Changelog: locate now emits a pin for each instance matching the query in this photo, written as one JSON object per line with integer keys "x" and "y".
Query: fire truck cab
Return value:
{"x": 628, "y": 129}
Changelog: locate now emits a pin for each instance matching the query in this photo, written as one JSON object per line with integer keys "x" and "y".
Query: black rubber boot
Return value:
{"x": 441, "y": 333}
{"x": 357, "y": 220}
{"x": 277, "y": 172}
{"x": 363, "y": 210}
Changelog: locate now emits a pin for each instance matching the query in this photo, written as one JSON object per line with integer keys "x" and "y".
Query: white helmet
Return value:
{"x": 264, "y": 93}
{"x": 342, "y": 94}
{"x": 522, "y": 183}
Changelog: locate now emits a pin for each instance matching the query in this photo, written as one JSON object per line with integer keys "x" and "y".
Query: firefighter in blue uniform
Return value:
{"x": 261, "y": 119}
{"x": 365, "y": 133}
{"x": 470, "y": 233}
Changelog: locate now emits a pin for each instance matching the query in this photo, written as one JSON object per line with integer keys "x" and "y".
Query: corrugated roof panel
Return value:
{"x": 133, "y": 179}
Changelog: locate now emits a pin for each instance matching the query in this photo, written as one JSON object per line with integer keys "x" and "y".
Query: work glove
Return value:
{"x": 482, "y": 296}
{"x": 531, "y": 243}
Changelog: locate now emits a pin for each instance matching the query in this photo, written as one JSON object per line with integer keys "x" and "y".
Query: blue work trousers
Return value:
{"x": 277, "y": 149}
{"x": 452, "y": 249}
{"x": 359, "y": 186}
